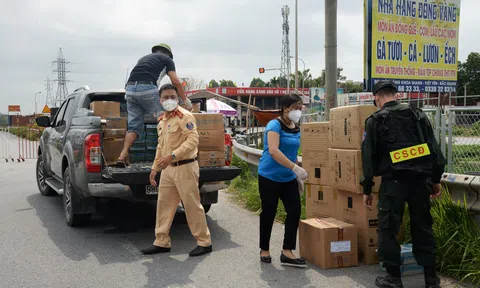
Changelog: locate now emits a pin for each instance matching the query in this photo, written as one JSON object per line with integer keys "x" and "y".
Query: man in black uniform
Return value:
{"x": 399, "y": 145}
{"x": 141, "y": 93}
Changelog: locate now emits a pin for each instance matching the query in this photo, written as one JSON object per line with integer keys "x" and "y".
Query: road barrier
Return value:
{"x": 19, "y": 143}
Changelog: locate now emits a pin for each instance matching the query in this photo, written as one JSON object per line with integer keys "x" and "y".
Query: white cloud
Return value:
{"x": 210, "y": 39}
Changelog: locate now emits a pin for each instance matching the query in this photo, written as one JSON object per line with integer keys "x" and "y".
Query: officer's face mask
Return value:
{"x": 170, "y": 105}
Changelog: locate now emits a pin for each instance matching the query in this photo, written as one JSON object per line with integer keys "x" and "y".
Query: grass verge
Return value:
{"x": 29, "y": 133}
{"x": 456, "y": 233}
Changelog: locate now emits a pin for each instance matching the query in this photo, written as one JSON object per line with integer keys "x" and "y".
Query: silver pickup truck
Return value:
{"x": 70, "y": 161}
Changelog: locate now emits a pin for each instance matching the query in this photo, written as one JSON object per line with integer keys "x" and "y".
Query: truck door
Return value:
{"x": 57, "y": 138}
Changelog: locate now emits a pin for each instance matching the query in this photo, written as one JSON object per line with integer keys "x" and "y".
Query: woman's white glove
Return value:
{"x": 300, "y": 172}
{"x": 301, "y": 186}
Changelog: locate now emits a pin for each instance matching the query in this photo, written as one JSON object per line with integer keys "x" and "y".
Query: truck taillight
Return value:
{"x": 93, "y": 153}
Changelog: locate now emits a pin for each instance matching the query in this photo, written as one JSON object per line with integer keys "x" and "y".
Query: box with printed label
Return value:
{"x": 211, "y": 158}
{"x": 351, "y": 209}
{"x": 211, "y": 140}
{"x": 346, "y": 170}
{"x": 320, "y": 201}
{"x": 328, "y": 243}
{"x": 114, "y": 133}
{"x": 209, "y": 121}
{"x": 116, "y": 123}
{"x": 314, "y": 143}
{"x": 347, "y": 125}
{"x": 106, "y": 109}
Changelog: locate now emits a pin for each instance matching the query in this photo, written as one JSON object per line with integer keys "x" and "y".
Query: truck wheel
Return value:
{"x": 45, "y": 190}
{"x": 206, "y": 207}
{"x": 69, "y": 195}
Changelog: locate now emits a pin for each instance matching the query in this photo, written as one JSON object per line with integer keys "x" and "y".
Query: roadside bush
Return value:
{"x": 32, "y": 133}
{"x": 458, "y": 239}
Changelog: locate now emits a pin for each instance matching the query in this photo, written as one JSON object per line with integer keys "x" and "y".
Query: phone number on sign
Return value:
{"x": 427, "y": 89}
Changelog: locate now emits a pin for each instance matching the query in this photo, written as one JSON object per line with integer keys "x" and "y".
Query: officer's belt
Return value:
{"x": 182, "y": 162}
{"x": 409, "y": 153}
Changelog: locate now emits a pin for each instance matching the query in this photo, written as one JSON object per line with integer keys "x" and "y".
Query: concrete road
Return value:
{"x": 37, "y": 249}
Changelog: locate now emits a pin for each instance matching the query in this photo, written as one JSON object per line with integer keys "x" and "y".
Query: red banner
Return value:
{"x": 13, "y": 108}
{"x": 246, "y": 91}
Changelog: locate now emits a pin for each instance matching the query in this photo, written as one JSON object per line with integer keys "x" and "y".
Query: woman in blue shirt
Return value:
{"x": 278, "y": 177}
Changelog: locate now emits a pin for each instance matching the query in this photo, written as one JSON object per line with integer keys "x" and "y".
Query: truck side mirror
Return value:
{"x": 43, "y": 121}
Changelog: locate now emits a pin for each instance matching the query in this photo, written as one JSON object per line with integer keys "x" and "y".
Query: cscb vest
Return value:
{"x": 403, "y": 149}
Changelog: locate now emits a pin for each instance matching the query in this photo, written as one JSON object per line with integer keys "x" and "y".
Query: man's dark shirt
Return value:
{"x": 370, "y": 151}
{"x": 150, "y": 66}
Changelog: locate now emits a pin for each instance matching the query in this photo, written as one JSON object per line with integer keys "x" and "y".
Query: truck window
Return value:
{"x": 60, "y": 121}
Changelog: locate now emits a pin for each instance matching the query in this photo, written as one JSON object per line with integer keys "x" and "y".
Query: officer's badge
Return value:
{"x": 189, "y": 125}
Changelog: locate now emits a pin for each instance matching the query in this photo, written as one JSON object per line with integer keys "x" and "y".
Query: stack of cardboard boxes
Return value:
{"x": 331, "y": 154}
{"x": 211, "y": 147}
{"x": 113, "y": 131}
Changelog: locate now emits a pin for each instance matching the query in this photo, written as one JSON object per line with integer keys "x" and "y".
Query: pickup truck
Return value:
{"x": 70, "y": 161}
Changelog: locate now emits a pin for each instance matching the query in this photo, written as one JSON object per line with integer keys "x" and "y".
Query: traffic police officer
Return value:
{"x": 176, "y": 157}
{"x": 399, "y": 146}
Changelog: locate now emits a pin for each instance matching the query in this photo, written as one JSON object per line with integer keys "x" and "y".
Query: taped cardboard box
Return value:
{"x": 211, "y": 140}
{"x": 315, "y": 144}
{"x": 111, "y": 150}
{"x": 320, "y": 201}
{"x": 347, "y": 125}
{"x": 346, "y": 170}
{"x": 209, "y": 121}
{"x": 117, "y": 123}
{"x": 211, "y": 158}
{"x": 328, "y": 243}
{"x": 106, "y": 109}
{"x": 114, "y": 133}
{"x": 351, "y": 209}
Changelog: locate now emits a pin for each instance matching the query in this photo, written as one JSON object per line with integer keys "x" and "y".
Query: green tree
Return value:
{"x": 227, "y": 83}
{"x": 469, "y": 75}
{"x": 257, "y": 82}
{"x": 213, "y": 84}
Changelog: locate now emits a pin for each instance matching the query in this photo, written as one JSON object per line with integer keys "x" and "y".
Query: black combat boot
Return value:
{"x": 431, "y": 278}
{"x": 392, "y": 280}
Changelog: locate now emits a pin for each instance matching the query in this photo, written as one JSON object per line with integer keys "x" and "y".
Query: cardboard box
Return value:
{"x": 209, "y": 121}
{"x": 211, "y": 140}
{"x": 346, "y": 170}
{"x": 106, "y": 109}
{"x": 111, "y": 150}
{"x": 321, "y": 201}
{"x": 211, "y": 158}
{"x": 347, "y": 125}
{"x": 352, "y": 210}
{"x": 117, "y": 123}
{"x": 114, "y": 133}
{"x": 328, "y": 243}
{"x": 315, "y": 144}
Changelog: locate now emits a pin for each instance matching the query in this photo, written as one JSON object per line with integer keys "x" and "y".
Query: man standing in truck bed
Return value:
{"x": 142, "y": 96}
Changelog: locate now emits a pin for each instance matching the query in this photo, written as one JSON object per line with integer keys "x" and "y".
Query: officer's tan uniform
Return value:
{"x": 177, "y": 133}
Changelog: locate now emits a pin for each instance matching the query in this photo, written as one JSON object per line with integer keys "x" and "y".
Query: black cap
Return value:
{"x": 383, "y": 84}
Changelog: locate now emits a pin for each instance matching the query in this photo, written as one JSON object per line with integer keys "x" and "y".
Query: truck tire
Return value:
{"x": 69, "y": 194}
{"x": 43, "y": 187}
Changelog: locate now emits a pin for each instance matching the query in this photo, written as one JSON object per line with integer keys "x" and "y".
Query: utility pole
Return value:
{"x": 285, "y": 62}
{"x": 465, "y": 95}
{"x": 330, "y": 56}
{"x": 62, "y": 90}
{"x": 296, "y": 44}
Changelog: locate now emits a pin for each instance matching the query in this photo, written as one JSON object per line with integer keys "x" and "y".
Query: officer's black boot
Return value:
{"x": 392, "y": 280}
{"x": 431, "y": 278}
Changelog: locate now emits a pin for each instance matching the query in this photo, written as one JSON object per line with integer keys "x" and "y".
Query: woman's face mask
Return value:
{"x": 295, "y": 115}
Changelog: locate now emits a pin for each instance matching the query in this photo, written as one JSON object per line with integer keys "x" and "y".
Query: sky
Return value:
{"x": 211, "y": 39}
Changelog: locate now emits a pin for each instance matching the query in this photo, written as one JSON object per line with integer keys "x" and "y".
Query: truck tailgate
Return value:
{"x": 138, "y": 174}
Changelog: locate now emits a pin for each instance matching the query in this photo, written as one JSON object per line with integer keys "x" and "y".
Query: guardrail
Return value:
{"x": 461, "y": 186}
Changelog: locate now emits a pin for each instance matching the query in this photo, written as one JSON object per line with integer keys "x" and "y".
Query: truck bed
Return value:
{"x": 138, "y": 174}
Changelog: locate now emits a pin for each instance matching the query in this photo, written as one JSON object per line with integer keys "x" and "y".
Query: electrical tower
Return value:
{"x": 62, "y": 90}
{"x": 48, "y": 88}
{"x": 285, "y": 67}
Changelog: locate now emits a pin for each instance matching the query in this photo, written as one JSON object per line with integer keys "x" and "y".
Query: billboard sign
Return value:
{"x": 317, "y": 94}
{"x": 14, "y": 108}
{"x": 413, "y": 43}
